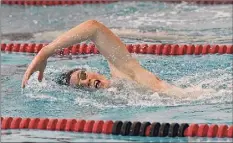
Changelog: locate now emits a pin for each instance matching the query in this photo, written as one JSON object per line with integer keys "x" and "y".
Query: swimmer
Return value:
{"x": 121, "y": 63}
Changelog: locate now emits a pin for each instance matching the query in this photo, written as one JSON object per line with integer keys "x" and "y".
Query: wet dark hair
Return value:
{"x": 64, "y": 78}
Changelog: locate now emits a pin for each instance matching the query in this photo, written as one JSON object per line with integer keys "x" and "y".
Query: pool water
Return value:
{"x": 135, "y": 22}
{"x": 208, "y": 78}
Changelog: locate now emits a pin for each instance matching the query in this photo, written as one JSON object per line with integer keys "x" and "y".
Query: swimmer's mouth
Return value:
{"x": 97, "y": 83}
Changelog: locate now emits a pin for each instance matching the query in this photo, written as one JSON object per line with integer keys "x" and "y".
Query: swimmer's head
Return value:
{"x": 82, "y": 78}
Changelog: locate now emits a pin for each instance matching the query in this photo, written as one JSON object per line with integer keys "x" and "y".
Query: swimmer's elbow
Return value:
{"x": 94, "y": 26}
{"x": 92, "y": 23}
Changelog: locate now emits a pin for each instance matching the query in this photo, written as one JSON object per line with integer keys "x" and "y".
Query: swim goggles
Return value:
{"x": 81, "y": 76}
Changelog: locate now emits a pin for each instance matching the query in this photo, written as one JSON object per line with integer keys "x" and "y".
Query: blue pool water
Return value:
{"x": 207, "y": 80}
{"x": 209, "y": 76}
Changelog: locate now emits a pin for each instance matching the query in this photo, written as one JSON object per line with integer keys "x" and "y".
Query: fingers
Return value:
{"x": 26, "y": 78}
{"x": 41, "y": 75}
{"x": 23, "y": 84}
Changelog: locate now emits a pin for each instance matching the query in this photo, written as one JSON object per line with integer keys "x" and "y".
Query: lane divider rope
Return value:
{"x": 73, "y": 2}
{"x": 54, "y": 2}
{"x": 124, "y": 128}
{"x": 157, "y": 49}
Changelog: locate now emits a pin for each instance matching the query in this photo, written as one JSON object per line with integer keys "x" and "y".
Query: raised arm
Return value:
{"x": 109, "y": 45}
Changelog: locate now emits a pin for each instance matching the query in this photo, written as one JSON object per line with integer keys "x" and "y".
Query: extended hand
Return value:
{"x": 38, "y": 64}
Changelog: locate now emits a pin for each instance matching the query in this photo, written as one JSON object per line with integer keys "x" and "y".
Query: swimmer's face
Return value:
{"x": 81, "y": 78}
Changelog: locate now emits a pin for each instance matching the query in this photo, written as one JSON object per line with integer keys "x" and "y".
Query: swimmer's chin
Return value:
{"x": 106, "y": 84}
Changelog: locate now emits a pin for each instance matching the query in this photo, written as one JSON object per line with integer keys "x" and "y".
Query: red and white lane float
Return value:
{"x": 54, "y": 2}
{"x": 124, "y": 128}
{"x": 156, "y": 49}
{"x": 73, "y": 2}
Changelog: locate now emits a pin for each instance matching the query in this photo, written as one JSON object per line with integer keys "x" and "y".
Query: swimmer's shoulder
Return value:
{"x": 115, "y": 73}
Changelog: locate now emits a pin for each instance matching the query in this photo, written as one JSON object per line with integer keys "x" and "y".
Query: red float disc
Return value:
{"x": 88, "y": 126}
{"x": 42, "y": 124}
{"x": 107, "y": 127}
{"x": 212, "y": 132}
{"x": 24, "y": 123}
{"x": 70, "y": 124}
{"x": 198, "y": 49}
{"x": 82, "y": 48}
{"x": 229, "y": 49}
{"x": 97, "y": 127}
{"x": 66, "y": 51}
{"x": 230, "y": 132}
{"x": 79, "y": 126}
{"x": 130, "y": 48}
{"x": 6, "y": 122}
{"x": 136, "y": 48}
{"x": 159, "y": 49}
{"x": 182, "y": 49}
{"x": 30, "y": 48}
{"x": 91, "y": 48}
{"x": 23, "y": 47}
{"x": 190, "y": 49}
{"x": 15, "y": 123}
{"x": 166, "y": 49}
{"x": 61, "y": 124}
{"x": 33, "y": 123}
{"x": 38, "y": 47}
{"x": 9, "y": 47}
{"x": 202, "y": 130}
{"x": 143, "y": 48}
{"x": 174, "y": 49}
{"x": 151, "y": 49}
{"x": 205, "y": 49}
{"x": 147, "y": 133}
{"x": 222, "y": 131}
{"x": 52, "y": 124}
{"x": 191, "y": 131}
{"x": 222, "y": 49}
{"x": 214, "y": 49}
{"x": 16, "y": 48}
{"x": 74, "y": 49}
{"x": 3, "y": 46}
